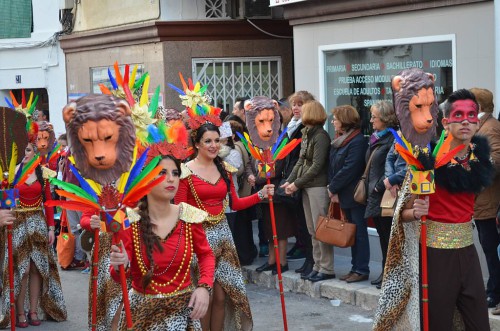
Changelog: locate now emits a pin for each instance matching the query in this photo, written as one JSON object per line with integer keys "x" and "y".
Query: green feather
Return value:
{"x": 71, "y": 188}
{"x": 140, "y": 81}
{"x": 153, "y": 105}
{"x": 283, "y": 143}
{"x": 33, "y": 105}
{"x": 438, "y": 145}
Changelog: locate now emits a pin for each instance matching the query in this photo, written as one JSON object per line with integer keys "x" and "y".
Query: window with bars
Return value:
{"x": 229, "y": 79}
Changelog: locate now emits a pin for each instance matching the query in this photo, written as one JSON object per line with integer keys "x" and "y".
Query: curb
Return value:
{"x": 361, "y": 294}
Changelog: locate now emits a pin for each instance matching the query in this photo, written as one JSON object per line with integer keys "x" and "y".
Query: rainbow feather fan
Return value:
{"x": 19, "y": 177}
{"x": 281, "y": 148}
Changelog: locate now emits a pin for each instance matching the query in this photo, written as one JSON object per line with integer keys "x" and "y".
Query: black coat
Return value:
{"x": 376, "y": 176}
{"x": 292, "y": 158}
{"x": 347, "y": 164}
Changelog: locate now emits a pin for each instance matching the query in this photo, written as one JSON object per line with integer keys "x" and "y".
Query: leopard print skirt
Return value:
{"x": 160, "y": 314}
{"x": 29, "y": 238}
{"x": 109, "y": 293}
{"x": 229, "y": 276}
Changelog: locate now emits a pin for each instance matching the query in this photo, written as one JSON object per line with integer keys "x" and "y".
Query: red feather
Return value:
{"x": 144, "y": 182}
{"x": 71, "y": 205}
{"x": 28, "y": 172}
{"x": 130, "y": 98}
{"x": 127, "y": 69}
{"x": 447, "y": 157}
{"x": 23, "y": 98}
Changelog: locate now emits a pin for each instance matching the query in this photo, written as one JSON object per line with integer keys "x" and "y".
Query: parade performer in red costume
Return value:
{"x": 36, "y": 273}
{"x": 159, "y": 249}
{"x": 462, "y": 168}
{"x": 206, "y": 184}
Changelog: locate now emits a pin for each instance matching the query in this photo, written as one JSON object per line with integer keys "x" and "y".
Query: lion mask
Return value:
{"x": 416, "y": 105}
{"x": 101, "y": 136}
{"x": 263, "y": 121}
{"x": 45, "y": 137}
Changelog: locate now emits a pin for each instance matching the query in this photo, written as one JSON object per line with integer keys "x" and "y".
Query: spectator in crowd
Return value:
{"x": 242, "y": 229}
{"x": 486, "y": 202}
{"x": 347, "y": 162}
{"x": 285, "y": 112}
{"x": 239, "y": 108}
{"x": 310, "y": 176}
{"x": 382, "y": 119}
{"x": 303, "y": 244}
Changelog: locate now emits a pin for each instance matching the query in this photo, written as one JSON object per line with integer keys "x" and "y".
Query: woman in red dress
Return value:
{"x": 206, "y": 184}
{"x": 158, "y": 253}
{"x": 35, "y": 269}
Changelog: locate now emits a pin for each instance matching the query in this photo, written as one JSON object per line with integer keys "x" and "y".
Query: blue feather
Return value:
{"x": 83, "y": 183}
{"x": 398, "y": 138}
{"x": 277, "y": 143}
{"x": 242, "y": 138}
{"x": 136, "y": 169}
{"x": 177, "y": 89}
{"x": 112, "y": 80}
{"x": 154, "y": 133}
{"x": 18, "y": 174}
{"x": 9, "y": 103}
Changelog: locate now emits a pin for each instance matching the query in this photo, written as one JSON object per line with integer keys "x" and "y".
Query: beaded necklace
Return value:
{"x": 142, "y": 265}
{"x": 213, "y": 219}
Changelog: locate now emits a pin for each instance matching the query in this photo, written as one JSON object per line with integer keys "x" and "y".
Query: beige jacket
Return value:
{"x": 487, "y": 202}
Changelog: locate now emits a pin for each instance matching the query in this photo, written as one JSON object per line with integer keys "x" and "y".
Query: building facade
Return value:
{"x": 30, "y": 54}
{"x": 212, "y": 41}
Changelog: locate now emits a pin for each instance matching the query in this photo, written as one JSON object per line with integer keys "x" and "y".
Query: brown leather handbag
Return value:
{"x": 334, "y": 229}
{"x": 388, "y": 204}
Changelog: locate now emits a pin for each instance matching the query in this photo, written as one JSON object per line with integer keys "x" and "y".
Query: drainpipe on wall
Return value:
{"x": 496, "y": 4}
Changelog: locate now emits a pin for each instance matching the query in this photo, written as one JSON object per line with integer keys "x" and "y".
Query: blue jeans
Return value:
{"x": 360, "y": 252}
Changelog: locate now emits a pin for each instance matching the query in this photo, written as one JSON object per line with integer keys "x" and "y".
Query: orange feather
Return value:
{"x": 444, "y": 159}
{"x": 14, "y": 101}
{"x": 104, "y": 89}
{"x": 76, "y": 198}
{"x": 119, "y": 78}
{"x": 71, "y": 205}
{"x": 132, "y": 199}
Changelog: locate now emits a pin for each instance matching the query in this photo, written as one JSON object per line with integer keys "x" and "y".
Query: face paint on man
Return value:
{"x": 464, "y": 110}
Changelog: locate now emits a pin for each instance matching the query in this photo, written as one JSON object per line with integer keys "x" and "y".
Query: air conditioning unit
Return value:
{"x": 257, "y": 8}
{"x": 66, "y": 4}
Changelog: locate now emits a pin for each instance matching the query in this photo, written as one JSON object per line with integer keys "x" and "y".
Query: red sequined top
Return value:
{"x": 30, "y": 196}
{"x": 172, "y": 271}
{"x": 446, "y": 207}
{"x": 212, "y": 195}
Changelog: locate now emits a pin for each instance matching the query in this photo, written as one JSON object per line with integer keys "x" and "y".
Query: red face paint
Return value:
{"x": 463, "y": 110}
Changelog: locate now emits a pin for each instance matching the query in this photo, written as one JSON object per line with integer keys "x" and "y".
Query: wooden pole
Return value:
{"x": 277, "y": 254}
{"x": 123, "y": 282}
{"x": 10, "y": 251}
{"x": 95, "y": 270}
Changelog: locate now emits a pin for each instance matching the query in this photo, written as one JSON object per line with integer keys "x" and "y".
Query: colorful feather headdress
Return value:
{"x": 169, "y": 138}
{"x": 197, "y": 105}
{"x": 27, "y": 108}
{"x": 91, "y": 196}
{"x": 126, "y": 87}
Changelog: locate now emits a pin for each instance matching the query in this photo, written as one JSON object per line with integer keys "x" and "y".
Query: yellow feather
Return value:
{"x": 95, "y": 186}
{"x": 131, "y": 81}
{"x": 28, "y": 105}
{"x": 144, "y": 96}
{"x": 408, "y": 145}
{"x": 122, "y": 181}
{"x": 13, "y": 162}
{"x": 197, "y": 87}
{"x": 71, "y": 159}
{"x": 1, "y": 171}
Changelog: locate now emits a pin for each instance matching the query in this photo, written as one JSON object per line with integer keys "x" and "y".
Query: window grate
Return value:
{"x": 229, "y": 79}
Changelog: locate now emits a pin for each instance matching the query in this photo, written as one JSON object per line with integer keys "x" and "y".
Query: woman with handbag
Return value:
{"x": 382, "y": 119}
{"x": 347, "y": 161}
{"x": 310, "y": 176}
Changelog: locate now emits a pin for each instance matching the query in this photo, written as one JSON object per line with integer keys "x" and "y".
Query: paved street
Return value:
{"x": 304, "y": 313}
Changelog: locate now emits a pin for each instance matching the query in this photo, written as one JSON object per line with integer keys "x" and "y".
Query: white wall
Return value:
{"x": 471, "y": 24}
{"x": 175, "y": 10}
{"x": 39, "y": 67}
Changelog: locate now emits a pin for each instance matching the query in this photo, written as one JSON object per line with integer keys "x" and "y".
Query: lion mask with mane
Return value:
{"x": 415, "y": 104}
{"x": 263, "y": 121}
{"x": 101, "y": 136}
